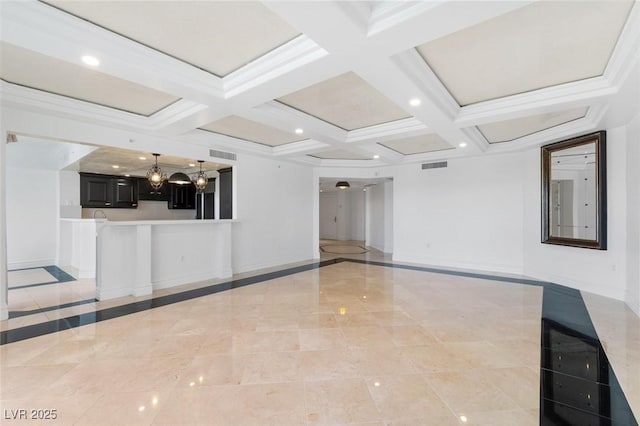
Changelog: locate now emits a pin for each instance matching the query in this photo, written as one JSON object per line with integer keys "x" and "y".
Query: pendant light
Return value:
{"x": 343, "y": 184}
{"x": 155, "y": 175}
{"x": 201, "y": 179}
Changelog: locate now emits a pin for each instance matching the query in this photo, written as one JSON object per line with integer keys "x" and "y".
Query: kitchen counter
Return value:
{"x": 138, "y": 257}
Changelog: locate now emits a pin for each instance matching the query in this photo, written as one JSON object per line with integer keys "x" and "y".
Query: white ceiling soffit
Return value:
{"x": 346, "y": 101}
{"x": 216, "y": 36}
{"x": 131, "y": 162}
{"x": 27, "y": 68}
{"x": 251, "y": 131}
{"x": 338, "y": 154}
{"x": 540, "y": 45}
{"x": 504, "y": 131}
{"x": 418, "y": 144}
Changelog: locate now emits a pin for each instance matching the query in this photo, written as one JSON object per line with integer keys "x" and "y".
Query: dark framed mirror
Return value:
{"x": 574, "y": 192}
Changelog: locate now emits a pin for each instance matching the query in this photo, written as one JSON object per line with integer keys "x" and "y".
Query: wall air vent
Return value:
{"x": 437, "y": 165}
{"x": 222, "y": 154}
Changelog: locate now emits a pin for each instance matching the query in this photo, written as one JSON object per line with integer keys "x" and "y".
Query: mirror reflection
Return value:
{"x": 574, "y": 192}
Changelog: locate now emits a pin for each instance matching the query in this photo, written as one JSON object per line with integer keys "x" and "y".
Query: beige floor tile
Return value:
{"x": 134, "y": 408}
{"x": 29, "y": 276}
{"x": 377, "y": 361}
{"x": 436, "y": 357}
{"x": 266, "y": 341}
{"x": 500, "y": 418}
{"x": 410, "y": 335}
{"x": 406, "y": 397}
{"x": 466, "y": 392}
{"x": 270, "y": 405}
{"x": 319, "y": 339}
{"x": 23, "y": 382}
{"x": 339, "y": 402}
{"x": 330, "y": 364}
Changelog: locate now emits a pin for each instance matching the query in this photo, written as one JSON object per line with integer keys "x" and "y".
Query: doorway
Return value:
{"x": 328, "y": 215}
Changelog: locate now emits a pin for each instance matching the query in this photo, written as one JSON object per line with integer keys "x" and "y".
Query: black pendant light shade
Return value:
{"x": 155, "y": 175}
{"x": 343, "y": 184}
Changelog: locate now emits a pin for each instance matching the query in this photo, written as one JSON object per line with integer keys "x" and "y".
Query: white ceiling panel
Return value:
{"x": 346, "y": 101}
{"x": 418, "y": 144}
{"x": 252, "y": 131}
{"x": 504, "y": 131}
{"x": 217, "y": 36}
{"x": 37, "y": 71}
{"x": 540, "y": 45}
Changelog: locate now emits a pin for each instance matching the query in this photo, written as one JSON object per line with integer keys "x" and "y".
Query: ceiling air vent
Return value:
{"x": 438, "y": 165}
{"x": 222, "y": 154}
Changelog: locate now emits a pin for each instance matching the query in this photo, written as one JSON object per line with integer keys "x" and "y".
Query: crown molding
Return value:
{"x": 282, "y": 60}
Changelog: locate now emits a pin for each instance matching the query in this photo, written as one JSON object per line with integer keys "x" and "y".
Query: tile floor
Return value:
{"x": 346, "y": 343}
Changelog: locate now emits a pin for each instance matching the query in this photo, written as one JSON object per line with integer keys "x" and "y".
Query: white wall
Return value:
{"x": 70, "y": 195}
{"x": 4, "y": 287}
{"x": 274, "y": 205}
{"x": 597, "y": 271}
{"x": 356, "y": 215}
{"x": 32, "y": 215}
{"x": 468, "y": 215}
{"x": 632, "y": 296}
{"x": 388, "y": 216}
{"x": 376, "y": 217}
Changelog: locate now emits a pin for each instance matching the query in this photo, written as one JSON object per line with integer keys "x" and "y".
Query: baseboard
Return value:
{"x": 30, "y": 264}
{"x": 189, "y": 279}
{"x": 469, "y": 266}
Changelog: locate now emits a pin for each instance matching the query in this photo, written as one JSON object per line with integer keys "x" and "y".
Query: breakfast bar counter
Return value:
{"x": 138, "y": 257}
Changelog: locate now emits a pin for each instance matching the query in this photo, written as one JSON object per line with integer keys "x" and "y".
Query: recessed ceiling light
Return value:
{"x": 127, "y": 175}
{"x": 142, "y": 158}
{"x": 462, "y": 144}
{"x": 191, "y": 165}
{"x": 299, "y": 131}
{"x": 375, "y": 157}
{"x": 415, "y": 102}
{"x": 115, "y": 166}
{"x": 92, "y": 61}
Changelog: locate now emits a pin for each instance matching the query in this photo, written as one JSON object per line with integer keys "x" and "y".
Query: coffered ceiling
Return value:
{"x": 361, "y": 83}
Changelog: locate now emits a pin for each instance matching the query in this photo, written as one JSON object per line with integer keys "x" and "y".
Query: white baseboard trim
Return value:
{"x": 31, "y": 264}
{"x": 189, "y": 279}
{"x": 467, "y": 266}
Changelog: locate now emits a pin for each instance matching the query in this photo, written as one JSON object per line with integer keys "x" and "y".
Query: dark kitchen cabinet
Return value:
{"x": 125, "y": 192}
{"x": 95, "y": 190}
{"x": 108, "y": 191}
{"x": 182, "y": 196}
{"x": 226, "y": 193}
{"x": 147, "y": 192}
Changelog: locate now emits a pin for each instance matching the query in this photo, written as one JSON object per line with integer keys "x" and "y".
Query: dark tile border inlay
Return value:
{"x": 577, "y": 383}
{"x": 567, "y": 397}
